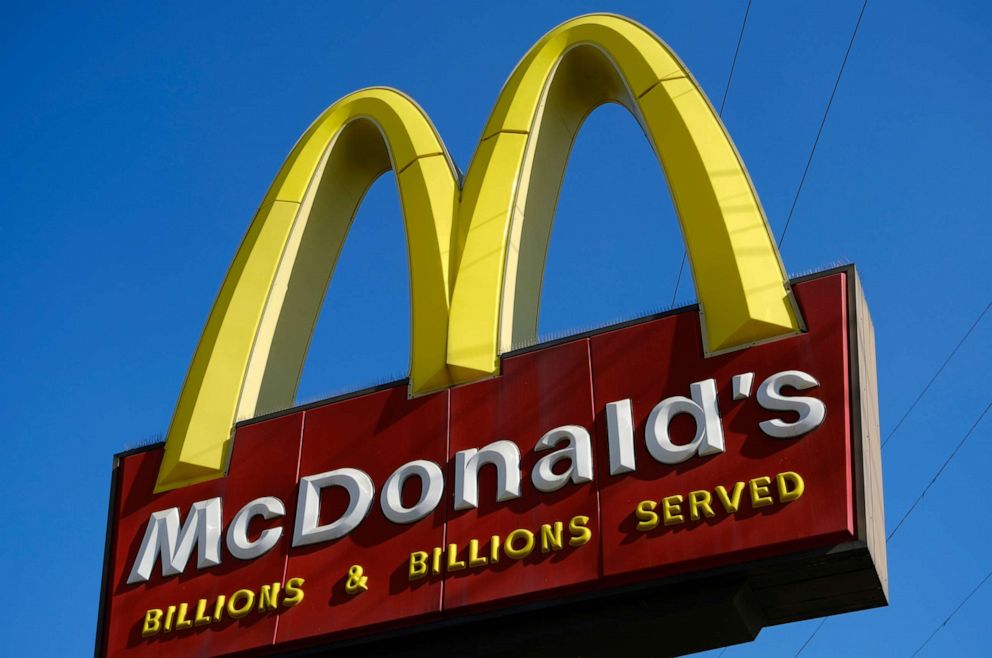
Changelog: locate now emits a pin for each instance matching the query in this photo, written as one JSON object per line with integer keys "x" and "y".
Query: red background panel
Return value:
{"x": 536, "y": 392}
{"x": 654, "y": 360}
{"x": 376, "y": 433}
{"x": 263, "y": 463}
{"x": 565, "y": 384}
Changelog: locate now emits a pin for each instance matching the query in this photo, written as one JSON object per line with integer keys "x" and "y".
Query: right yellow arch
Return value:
{"x": 511, "y": 190}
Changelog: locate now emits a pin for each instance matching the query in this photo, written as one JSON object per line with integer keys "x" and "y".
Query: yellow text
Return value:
{"x": 236, "y": 605}
{"x": 756, "y": 493}
{"x": 518, "y": 544}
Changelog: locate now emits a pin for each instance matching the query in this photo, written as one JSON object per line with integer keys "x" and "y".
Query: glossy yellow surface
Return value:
{"x": 512, "y": 187}
{"x": 476, "y": 253}
{"x": 251, "y": 355}
{"x": 356, "y": 582}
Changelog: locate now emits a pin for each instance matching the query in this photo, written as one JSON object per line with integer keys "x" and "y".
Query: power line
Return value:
{"x": 799, "y": 189}
{"x": 912, "y": 507}
{"x": 937, "y": 374}
{"x": 733, "y": 63}
{"x": 960, "y": 605}
{"x": 723, "y": 103}
{"x": 823, "y": 122}
{"x": 926, "y": 388}
{"x": 936, "y": 475}
{"x": 934, "y": 479}
{"x": 940, "y": 470}
{"x": 811, "y": 636}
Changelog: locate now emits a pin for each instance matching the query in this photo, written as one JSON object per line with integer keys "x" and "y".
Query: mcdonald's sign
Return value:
{"x": 666, "y": 485}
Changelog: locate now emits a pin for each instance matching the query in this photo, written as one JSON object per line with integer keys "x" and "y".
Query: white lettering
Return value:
{"x": 504, "y": 455}
{"x": 703, "y": 409}
{"x": 164, "y": 538}
{"x": 431, "y": 488}
{"x": 360, "y": 490}
{"x": 238, "y": 543}
{"x": 578, "y": 452}
{"x": 620, "y": 436}
{"x": 811, "y": 411}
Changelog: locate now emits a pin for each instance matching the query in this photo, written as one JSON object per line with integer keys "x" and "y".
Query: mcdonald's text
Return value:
{"x": 169, "y": 541}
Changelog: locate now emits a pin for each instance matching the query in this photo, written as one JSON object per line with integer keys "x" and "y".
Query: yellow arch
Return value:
{"x": 511, "y": 190}
{"x": 476, "y": 254}
{"x": 252, "y": 350}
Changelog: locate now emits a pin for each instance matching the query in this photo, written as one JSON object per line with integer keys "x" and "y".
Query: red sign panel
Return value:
{"x": 620, "y": 457}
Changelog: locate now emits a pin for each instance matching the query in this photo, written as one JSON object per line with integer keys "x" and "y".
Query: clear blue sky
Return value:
{"x": 137, "y": 140}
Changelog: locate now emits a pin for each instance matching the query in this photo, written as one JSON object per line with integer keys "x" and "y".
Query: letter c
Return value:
{"x": 268, "y": 507}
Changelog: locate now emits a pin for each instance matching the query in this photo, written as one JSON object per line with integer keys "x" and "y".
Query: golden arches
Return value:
{"x": 476, "y": 258}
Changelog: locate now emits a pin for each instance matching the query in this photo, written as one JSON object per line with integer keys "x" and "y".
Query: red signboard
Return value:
{"x": 606, "y": 461}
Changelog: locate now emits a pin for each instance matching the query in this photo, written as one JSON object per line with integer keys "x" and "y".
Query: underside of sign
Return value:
{"x": 616, "y": 490}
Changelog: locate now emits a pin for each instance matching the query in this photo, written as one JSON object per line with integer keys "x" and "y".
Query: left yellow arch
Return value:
{"x": 251, "y": 354}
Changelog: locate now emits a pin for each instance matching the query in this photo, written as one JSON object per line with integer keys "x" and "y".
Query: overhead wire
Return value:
{"x": 723, "y": 103}
{"x": 940, "y": 470}
{"x": 954, "y": 612}
{"x": 934, "y": 479}
{"x": 802, "y": 182}
{"x": 905, "y": 516}
{"x": 937, "y": 374}
{"x": 823, "y": 122}
{"x": 811, "y": 636}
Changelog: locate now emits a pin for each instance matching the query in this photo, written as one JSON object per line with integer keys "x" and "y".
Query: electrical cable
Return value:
{"x": 823, "y": 122}
{"x": 926, "y": 388}
{"x": 933, "y": 480}
{"x": 937, "y": 374}
{"x": 802, "y": 180}
{"x": 910, "y": 511}
{"x": 940, "y": 470}
{"x": 811, "y": 636}
{"x": 960, "y": 605}
{"x": 723, "y": 103}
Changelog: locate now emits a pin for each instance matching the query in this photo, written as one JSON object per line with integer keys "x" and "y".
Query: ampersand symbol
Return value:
{"x": 356, "y": 581}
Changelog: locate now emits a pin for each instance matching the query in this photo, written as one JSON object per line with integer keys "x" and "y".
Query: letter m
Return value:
{"x": 164, "y": 538}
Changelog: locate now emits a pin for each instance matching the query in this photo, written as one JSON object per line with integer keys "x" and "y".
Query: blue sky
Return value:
{"x": 136, "y": 142}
